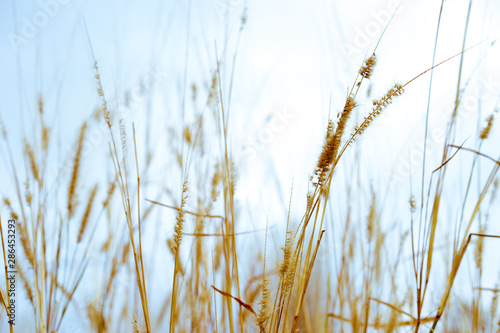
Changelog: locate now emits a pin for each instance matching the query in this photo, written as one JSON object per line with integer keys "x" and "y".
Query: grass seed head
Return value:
{"x": 179, "y": 226}
{"x": 4, "y": 131}
{"x": 378, "y": 106}
{"x": 111, "y": 190}
{"x": 366, "y": 70}
{"x": 265, "y": 301}
{"x": 32, "y": 160}
{"x": 86, "y": 215}
{"x": 75, "y": 172}
{"x": 332, "y": 142}
{"x": 372, "y": 215}
{"x": 28, "y": 194}
{"x": 486, "y": 130}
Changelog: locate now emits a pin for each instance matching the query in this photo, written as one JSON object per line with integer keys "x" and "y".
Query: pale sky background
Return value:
{"x": 292, "y": 58}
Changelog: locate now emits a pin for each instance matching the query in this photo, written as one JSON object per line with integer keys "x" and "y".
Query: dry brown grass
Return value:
{"x": 216, "y": 283}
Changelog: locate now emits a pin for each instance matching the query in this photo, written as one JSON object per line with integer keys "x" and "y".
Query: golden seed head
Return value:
{"x": 413, "y": 204}
{"x": 215, "y": 182}
{"x": 194, "y": 90}
{"x": 486, "y": 130}
{"x": 287, "y": 254}
{"x": 111, "y": 190}
{"x": 372, "y": 217}
{"x": 28, "y": 193}
{"x": 478, "y": 254}
{"x": 263, "y": 314}
{"x": 45, "y": 137}
{"x": 75, "y": 173}
{"x": 351, "y": 246}
{"x": 14, "y": 215}
{"x": 40, "y": 104}
{"x": 378, "y": 106}
{"x": 100, "y": 91}
{"x": 179, "y": 226}
{"x": 187, "y": 134}
{"x": 105, "y": 247}
{"x": 85, "y": 218}
{"x": 4, "y": 131}
{"x": 33, "y": 164}
{"x": 97, "y": 113}
{"x": 309, "y": 201}
{"x": 332, "y": 142}
{"x": 26, "y": 243}
{"x": 494, "y": 302}
{"x": 366, "y": 70}
{"x": 136, "y": 327}
{"x": 126, "y": 250}
{"x": 212, "y": 96}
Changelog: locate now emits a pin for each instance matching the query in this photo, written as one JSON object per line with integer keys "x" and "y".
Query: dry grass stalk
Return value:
{"x": 122, "y": 180}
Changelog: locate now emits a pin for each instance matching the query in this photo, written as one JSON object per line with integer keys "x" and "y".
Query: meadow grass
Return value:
{"x": 215, "y": 286}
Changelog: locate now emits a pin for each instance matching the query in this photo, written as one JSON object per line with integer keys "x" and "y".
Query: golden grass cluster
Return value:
{"x": 212, "y": 284}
